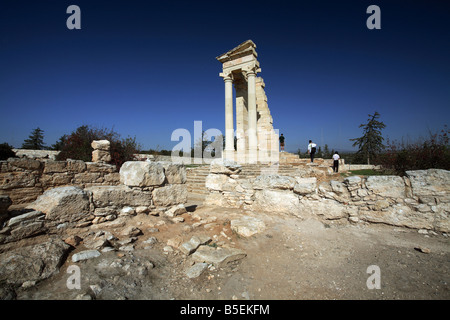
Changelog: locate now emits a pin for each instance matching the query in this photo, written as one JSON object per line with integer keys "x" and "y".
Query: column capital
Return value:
{"x": 227, "y": 76}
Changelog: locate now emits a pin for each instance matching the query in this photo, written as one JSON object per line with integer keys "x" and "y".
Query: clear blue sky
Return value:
{"x": 146, "y": 68}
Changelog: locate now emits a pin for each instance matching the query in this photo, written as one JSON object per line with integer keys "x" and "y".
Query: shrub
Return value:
{"x": 77, "y": 145}
{"x": 6, "y": 151}
{"x": 431, "y": 153}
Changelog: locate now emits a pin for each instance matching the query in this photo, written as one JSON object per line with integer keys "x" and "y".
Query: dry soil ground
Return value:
{"x": 291, "y": 259}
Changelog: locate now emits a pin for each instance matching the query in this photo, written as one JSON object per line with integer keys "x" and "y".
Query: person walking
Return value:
{"x": 312, "y": 150}
{"x": 282, "y": 143}
{"x": 336, "y": 158}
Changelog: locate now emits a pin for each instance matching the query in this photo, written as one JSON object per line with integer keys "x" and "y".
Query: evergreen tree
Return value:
{"x": 371, "y": 143}
{"x": 59, "y": 144}
{"x": 35, "y": 141}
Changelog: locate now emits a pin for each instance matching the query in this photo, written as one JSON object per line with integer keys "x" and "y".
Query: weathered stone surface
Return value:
{"x": 175, "y": 211}
{"x": 32, "y": 263}
{"x": 26, "y": 230}
{"x": 175, "y": 173}
{"x": 119, "y": 196}
{"x": 274, "y": 182}
{"x": 24, "y": 163}
{"x": 170, "y": 195}
{"x": 54, "y": 166}
{"x": 101, "y": 156}
{"x": 142, "y": 174}
{"x": 224, "y": 166}
{"x": 217, "y": 256}
{"x": 17, "y": 179}
{"x": 63, "y": 204}
{"x": 217, "y": 181}
{"x": 432, "y": 182}
{"x": 85, "y": 255}
{"x": 24, "y": 195}
{"x": 192, "y": 245}
{"x": 247, "y": 226}
{"x": 276, "y": 201}
{"x": 305, "y": 186}
{"x": 326, "y": 208}
{"x": 101, "y": 145}
{"x": 76, "y": 166}
{"x": 196, "y": 270}
{"x": 400, "y": 215}
{"x": 23, "y": 217}
{"x": 386, "y": 186}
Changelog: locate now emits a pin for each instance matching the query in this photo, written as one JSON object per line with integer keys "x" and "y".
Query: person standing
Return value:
{"x": 336, "y": 158}
{"x": 282, "y": 143}
{"x": 312, "y": 150}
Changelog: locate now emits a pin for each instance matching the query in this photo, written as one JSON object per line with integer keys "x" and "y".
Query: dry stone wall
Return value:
{"x": 419, "y": 200}
{"x": 24, "y": 179}
{"x": 142, "y": 188}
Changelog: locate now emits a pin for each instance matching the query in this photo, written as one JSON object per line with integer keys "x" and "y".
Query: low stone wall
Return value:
{"x": 24, "y": 179}
{"x": 419, "y": 200}
{"x": 145, "y": 188}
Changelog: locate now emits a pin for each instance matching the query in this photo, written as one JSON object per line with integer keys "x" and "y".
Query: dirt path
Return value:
{"x": 290, "y": 259}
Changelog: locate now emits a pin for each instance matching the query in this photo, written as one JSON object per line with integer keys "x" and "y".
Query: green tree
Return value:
{"x": 77, "y": 145}
{"x": 6, "y": 151}
{"x": 371, "y": 143}
{"x": 35, "y": 140}
{"x": 59, "y": 144}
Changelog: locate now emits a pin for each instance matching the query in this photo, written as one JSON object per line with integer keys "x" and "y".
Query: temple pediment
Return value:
{"x": 246, "y": 48}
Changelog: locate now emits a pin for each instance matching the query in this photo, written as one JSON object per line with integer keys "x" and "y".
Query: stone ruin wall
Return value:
{"x": 139, "y": 188}
{"x": 24, "y": 179}
{"x": 420, "y": 200}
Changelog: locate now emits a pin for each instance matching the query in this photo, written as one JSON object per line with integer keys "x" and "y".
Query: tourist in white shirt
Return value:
{"x": 312, "y": 150}
{"x": 336, "y": 162}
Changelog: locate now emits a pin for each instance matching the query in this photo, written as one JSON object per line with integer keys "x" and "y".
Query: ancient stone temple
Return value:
{"x": 257, "y": 141}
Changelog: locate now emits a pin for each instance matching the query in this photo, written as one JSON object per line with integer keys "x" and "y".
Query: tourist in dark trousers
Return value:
{"x": 282, "y": 143}
{"x": 312, "y": 150}
{"x": 336, "y": 162}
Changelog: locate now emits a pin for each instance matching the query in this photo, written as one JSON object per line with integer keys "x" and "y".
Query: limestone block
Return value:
{"x": 305, "y": 186}
{"x": 77, "y": 166}
{"x": 429, "y": 183}
{"x": 277, "y": 201}
{"x": 217, "y": 256}
{"x": 54, "y": 166}
{"x": 63, "y": 204}
{"x": 247, "y": 226}
{"x": 386, "y": 186}
{"x": 142, "y": 174}
{"x": 24, "y": 195}
{"x": 101, "y": 145}
{"x": 175, "y": 173}
{"x": 326, "y": 208}
{"x": 224, "y": 166}
{"x": 24, "y": 163}
{"x": 170, "y": 195}
{"x": 274, "y": 182}
{"x": 400, "y": 215}
{"x": 217, "y": 181}
{"x": 100, "y": 167}
{"x": 119, "y": 196}
{"x": 101, "y": 156}
{"x": 352, "y": 182}
{"x": 32, "y": 263}
{"x": 86, "y": 177}
{"x": 17, "y": 179}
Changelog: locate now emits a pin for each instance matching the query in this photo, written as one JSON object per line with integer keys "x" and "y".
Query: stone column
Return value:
{"x": 101, "y": 151}
{"x": 252, "y": 137}
{"x": 229, "y": 126}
